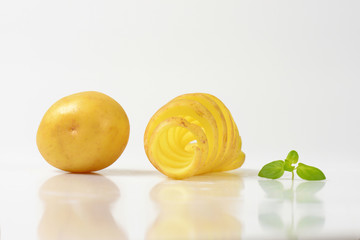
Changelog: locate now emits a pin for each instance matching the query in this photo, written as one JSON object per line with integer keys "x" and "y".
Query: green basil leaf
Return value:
{"x": 293, "y": 156}
{"x": 287, "y": 166}
{"x": 272, "y": 170}
{"x": 309, "y": 173}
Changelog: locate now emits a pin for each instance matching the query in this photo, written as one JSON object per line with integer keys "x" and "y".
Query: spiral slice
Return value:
{"x": 191, "y": 135}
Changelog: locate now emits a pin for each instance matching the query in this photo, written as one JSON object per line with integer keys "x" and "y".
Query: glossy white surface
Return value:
{"x": 143, "y": 204}
{"x": 287, "y": 70}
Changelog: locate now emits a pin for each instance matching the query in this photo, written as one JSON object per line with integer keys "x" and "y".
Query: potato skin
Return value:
{"x": 83, "y": 132}
{"x": 191, "y": 135}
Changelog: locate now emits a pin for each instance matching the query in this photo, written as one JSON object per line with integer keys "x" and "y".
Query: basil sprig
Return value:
{"x": 276, "y": 169}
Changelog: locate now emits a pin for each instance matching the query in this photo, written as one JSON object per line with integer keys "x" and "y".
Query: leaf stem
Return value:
{"x": 292, "y": 175}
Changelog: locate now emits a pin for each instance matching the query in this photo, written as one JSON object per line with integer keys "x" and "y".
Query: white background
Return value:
{"x": 288, "y": 71}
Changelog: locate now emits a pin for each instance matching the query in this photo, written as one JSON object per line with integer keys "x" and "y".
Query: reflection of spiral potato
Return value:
{"x": 200, "y": 207}
{"x": 191, "y": 135}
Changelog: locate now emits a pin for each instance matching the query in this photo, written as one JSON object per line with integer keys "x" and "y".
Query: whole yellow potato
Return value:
{"x": 83, "y": 132}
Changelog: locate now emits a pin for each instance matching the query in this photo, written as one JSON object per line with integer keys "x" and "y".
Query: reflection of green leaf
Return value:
{"x": 289, "y": 194}
{"x": 272, "y": 188}
{"x": 309, "y": 188}
{"x": 306, "y": 191}
{"x": 309, "y": 223}
{"x": 271, "y": 220}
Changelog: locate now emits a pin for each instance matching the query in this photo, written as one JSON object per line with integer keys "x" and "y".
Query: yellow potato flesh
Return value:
{"x": 191, "y": 135}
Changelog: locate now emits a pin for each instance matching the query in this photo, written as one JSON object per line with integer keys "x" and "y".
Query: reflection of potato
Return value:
{"x": 182, "y": 226}
{"x": 191, "y": 135}
{"x": 210, "y": 186}
{"x": 77, "y": 206}
{"x": 199, "y": 208}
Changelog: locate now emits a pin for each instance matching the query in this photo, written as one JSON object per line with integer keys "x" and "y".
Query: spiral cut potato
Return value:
{"x": 191, "y": 135}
